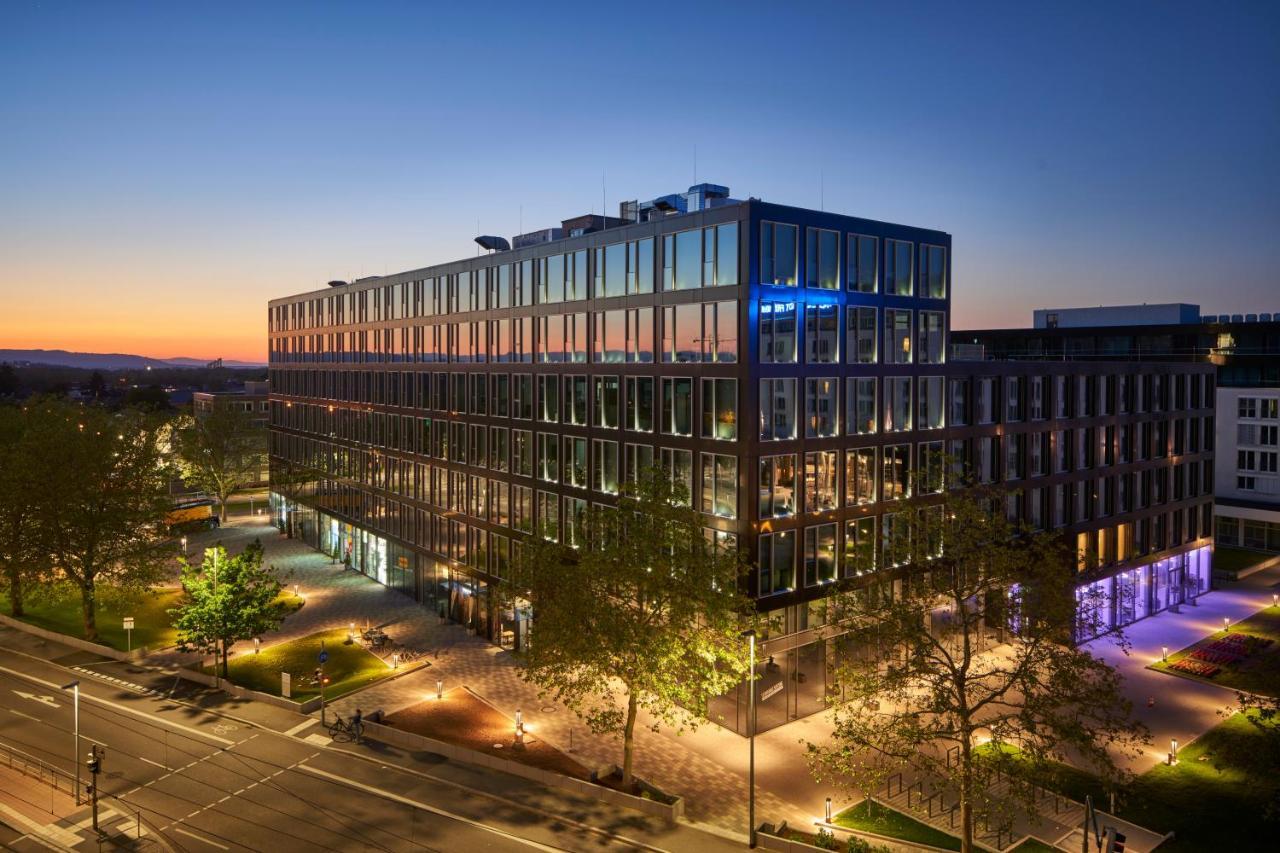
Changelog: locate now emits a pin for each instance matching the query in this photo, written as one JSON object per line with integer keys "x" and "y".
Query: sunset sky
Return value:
{"x": 165, "y": 169}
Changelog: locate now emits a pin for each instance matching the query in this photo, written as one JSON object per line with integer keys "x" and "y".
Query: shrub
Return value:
{"x": 826, "y": 840}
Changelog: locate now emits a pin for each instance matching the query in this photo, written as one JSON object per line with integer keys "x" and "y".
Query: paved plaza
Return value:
{"x": 706, "y": 766}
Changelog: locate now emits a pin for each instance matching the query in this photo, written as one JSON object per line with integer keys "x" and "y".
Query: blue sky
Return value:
{"x": 167, "y": 168}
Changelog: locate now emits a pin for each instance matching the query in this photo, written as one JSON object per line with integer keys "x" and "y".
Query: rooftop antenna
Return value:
{"x": 822, "y": 189}
{"x": 521, "y": 229}
{"x": 477, "y": 231}
{"x": 604, "y": 205}
{"x": 695, "y": 164}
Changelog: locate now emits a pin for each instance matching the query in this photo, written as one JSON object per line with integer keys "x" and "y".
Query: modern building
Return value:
{"x": 1244, "y": 349}
{"x": 789, "y": 367}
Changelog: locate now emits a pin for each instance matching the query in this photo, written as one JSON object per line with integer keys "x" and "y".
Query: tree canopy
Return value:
{"x": 219, "y": 451}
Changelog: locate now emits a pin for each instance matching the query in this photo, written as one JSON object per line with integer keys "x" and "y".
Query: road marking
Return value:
{"x": 389, "y": 795}
{"x": 210, "y": 842}
{"x": 299, "y": 727}
{"x": 152, "y": 763}
{"x": 28, "y": 716}
{"x": 117, "y": 706}
{"x": 46, "y": 700}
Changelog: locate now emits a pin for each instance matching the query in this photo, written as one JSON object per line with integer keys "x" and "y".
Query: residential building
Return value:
{"x": 789, "y": 367}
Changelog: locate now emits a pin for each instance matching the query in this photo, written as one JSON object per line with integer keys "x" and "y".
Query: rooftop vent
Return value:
{"x": 337, "y": 283}
{"x": 493, "y": 244}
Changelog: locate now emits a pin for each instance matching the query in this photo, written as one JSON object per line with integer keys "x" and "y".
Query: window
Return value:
{"x": 819, "y": 554}
{"x": 777, "y": 254}
{"x": 929, "y": 400}
{"x": 639, "y": 336}
{"x": 860, "y": 405}
{"x": 822, "y": 334}
{"x": 548, "y": 457}
{"x": 777, "y": 332}
{"x": 720, "y": 485}
{"x": 688, "y": 260}
{"x": 897, "y": 268}
{"x": 640, "y": 266}
{"x": 930, "y": 467}
{"x": 859, "y": 547}
{"x": 897, "y": 336}
{"x": 500, "y": 388}
{"x": 897, "y": 403}
{"x": 720, "y": 409}
{"x": 679, "y": 465}
{"x": 639, "y": 416}
{"x": 611, "y": 270}
{"x": 499, "y": 449}
{"x": 861, "y": 334}
{"x": 1035, "y": 397}
{"x": 549, "y": 516}
{"x": 719, "y": 337}
{"x": 777, "y": 562}
{"x": 821, "y": 408}
{"x": 607, "y": 401}
{"x": 777, "y": 486}
{"x": 860, "y": 476}
{"x": 522, "y": 452}
{"x": 895, "y": 538}
{"x": 861, "y": 275}
{"x": 932, "y": 337}
{"x": 820, "y": 472}
{"x": 548, "y": 398}
{"x": 637, "y": 459}
{"x": 575, "y": 461}
{"x": 822, "y": 258}
{"x": 610, "y": 340}
{"x": 677, "y": 405}
{"x": 575, "y": 400}
{"x": 777, "y": 409}
{"x": 896, "y": 477}
{"x": 604, "y": 464}
{"x": 682, "y": 333}
{"x": 522, "y": 397}
{"x": 933, "y": 271}
{"x": 726, "y": 253}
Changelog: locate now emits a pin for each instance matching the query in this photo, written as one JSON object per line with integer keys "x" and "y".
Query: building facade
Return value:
{"x": 788, "y": 367}
{"x": 253, "y": 400}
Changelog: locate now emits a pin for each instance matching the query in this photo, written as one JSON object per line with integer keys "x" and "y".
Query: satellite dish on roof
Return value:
{"x": 493, "y": 244}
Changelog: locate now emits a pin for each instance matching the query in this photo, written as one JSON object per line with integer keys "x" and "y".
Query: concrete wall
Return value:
{"x": 770, "y": 838}
{"x": 408, "y": 740}
{"x": 73, "y": 642}
{"x": 256, "y": 695}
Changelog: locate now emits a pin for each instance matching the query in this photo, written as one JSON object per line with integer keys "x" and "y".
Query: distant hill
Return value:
{"x": 106, "y": 361}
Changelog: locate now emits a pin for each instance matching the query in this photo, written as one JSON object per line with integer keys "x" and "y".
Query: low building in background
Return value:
{"x": 790, "y": 367}
{"x": 253, "y": 400}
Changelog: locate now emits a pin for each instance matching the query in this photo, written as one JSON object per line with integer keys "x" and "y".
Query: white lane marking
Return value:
{"x": 28, "y": 716}
{"x": 44, "y": 700}
{"x": 299, "y": 727}
{"x": 389, "y": 795}
{"x": 152, "y": 763}
{"x": 149, "y": 717}
{"x": 201, "y": 838}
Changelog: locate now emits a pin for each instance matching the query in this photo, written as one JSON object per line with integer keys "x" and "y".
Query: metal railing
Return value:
{"x": 27, "y": 765}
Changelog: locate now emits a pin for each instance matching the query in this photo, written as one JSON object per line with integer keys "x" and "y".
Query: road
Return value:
{"x": 209, "y": 782}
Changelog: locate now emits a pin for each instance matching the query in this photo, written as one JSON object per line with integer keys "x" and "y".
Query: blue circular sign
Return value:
{"x": 324, "y": 656}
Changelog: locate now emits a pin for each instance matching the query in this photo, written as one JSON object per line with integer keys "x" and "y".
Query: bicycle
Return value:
{"x": 343, "y": 731}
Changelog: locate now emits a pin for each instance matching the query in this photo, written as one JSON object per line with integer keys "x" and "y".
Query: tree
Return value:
{"x": 219, "y": 451}
{"x": 228, "y": 598}
{"x": 103, "y": 503}
{"x": 10, "y": 384}
{"x": 645, "y": 614}
{"x": 921, "y": 685}
{"x": 23, "y": 458}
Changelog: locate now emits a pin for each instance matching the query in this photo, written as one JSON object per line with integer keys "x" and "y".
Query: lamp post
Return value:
{"x": 74, "y": 687}
{"x": 750, "y": 634}
{"x": 1173, "y": 751}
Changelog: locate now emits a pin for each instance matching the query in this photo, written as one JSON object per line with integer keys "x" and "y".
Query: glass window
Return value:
{"x": 548, "y": 398}
{"x": 551, "y": 279}
{"x": 522, "y": 452}
{"x": 897, "y": 403}
{"x": 930, "y": 462}
{"x": 777, "y": 253}
{"x": 575, "y": 400}
{"x": 819, "y": 554}
{"x": 861, "y": 334}
{"x": 820, "y": 484}
{"x": 498, "y": 448}
{"x": 777, "y": 409}
{"x": 822, "y": 334}
{"x": 897, "y": 335}
{"x": 682, "y": 333}
{"x": 822, "y": 259}
{"x": 777, "y": 486}
{"x": 777, "y": 332}
{"x": 897, "y": 268}
{"x": 720, "y": 409}
{"x": 639, "y": 336}
{"x": 896, "y": 477}
{"x": 932, "y": 343}
{"x": 608, "y": 402}
{"x": 863, "y": 254}
{"x": 821, "y": 407}
{"x": 860, "y": 405}
{"x": 605, "y": 466}
{"x": 638, "y": 458}
{"x": 929, "y": 402}
{"x": 720, "y": 332}
{"x": 614, "y": 274}
{"x": 549, "y": 516}
{"x": 860, "y": 476}
{"x": 640, "y": 274}
{"x": 688, "y": 260}
{"x": 777, "y": 562}
{"x": 720, "y": 485}
{"x": 933, "y": 271}
{"x": 859, "y": 547}
{"x": 548, "y": 457}
{"x": 610, "y": 342}
{"x": 677, "y": 405}
{"x": 679, "y": 464}
{"x": 727, "y": 254}
{"x": 522, "y": 397}
{"x": 639, "y": 403}
{"x": 575, "y": 461}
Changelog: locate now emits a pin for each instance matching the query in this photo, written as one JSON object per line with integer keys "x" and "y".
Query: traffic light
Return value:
{"x": 93, "y": 763}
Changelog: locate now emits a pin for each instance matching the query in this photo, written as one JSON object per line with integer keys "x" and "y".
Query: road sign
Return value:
{"x": 771, "y": 692}
{"x": 128, "y": 623}
{"x": 286, "y": 685}
{"x": 324, "y": 656}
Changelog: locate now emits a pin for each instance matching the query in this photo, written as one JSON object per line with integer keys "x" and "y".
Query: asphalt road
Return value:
{"x": 208, "y": 782}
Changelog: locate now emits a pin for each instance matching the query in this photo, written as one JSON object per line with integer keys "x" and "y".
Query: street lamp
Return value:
{"x": 1164, "y": 653}
{"x": 828, "y": 810}
{"x": 184, "y": 546}
{"x": 439, "y": 688}
{"x": 1226, "y": 623}
{"x": 74, "y": 687}
{"x": 750, "y": 635}
{"x": 1173, "y": 751}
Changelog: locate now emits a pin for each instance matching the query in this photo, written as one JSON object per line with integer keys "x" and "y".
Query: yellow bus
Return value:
{"x": 192, "y": 514}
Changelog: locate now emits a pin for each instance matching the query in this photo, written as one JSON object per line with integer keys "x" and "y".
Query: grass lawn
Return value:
{"x": 349, "y": 667}
{"x": 1033, "y": 846}
{"x": 1257, "y": 673}
{"x": 872, "y": 817}
{"x": 149, "y": 611}
{"x": 1228, "y": 559}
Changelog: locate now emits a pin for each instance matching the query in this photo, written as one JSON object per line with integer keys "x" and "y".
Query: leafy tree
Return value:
{"x": 645, "y": 614}
{"x": 228, "y": 598}
{"x": 97, "y": 385}
{"x": 10, "y": 384}
{"x": 23, "y": 458}
{"x": 103, "y": 503}
{"x": 219, "y": 451}
{"x": 922, "y": 684}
